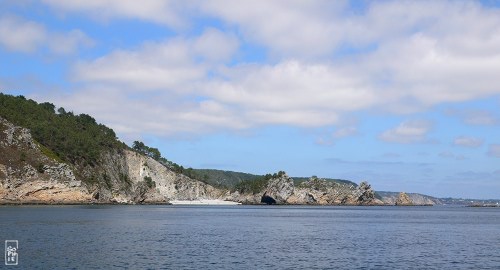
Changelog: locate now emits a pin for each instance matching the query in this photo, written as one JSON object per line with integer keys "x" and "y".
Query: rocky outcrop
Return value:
{"x": 278, "y": 190}
{"x": 29, "y": 175}
{"x": 168, "y": 184}
{"x": 315, "y": 191}
{"x": 403, "y": 199}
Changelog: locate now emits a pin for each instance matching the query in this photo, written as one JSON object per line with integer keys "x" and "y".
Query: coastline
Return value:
{"x": 196, "y": 202}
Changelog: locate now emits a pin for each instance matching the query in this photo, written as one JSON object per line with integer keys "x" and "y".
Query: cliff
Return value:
{"x": 31, "y": 173}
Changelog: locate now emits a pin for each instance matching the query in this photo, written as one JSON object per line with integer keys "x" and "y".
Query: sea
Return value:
{"x": 251, "y": 237}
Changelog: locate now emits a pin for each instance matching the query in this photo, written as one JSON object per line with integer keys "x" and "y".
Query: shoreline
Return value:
{"x": 203, "y": 202}
{"x": 197, "y": 202}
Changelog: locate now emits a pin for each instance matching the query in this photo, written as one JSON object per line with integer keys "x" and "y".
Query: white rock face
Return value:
{"x": 169, "y": 185}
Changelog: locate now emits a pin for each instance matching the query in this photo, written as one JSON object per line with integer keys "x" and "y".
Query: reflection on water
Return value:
{"x": 253, "y": 237}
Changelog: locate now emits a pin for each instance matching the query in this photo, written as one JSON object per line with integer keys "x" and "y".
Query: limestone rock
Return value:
{"x": 403, "y": 199}
{"x": 315, "y": 191}
{"x": 278, "y": 190}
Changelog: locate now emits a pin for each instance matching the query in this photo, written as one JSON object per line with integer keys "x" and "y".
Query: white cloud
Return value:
{"x": 21, "y": 36}
{"x": 291, "y": 92}
{"x": 171, "y": 65}
{"x": 158, "y": 11}
{"x": 214, "y": 45}
{"x": 468, "y": 141}
{"x": 411, "y": 58}
{"x": 154, "y": 66}
{"x": 494, "y": 150}
{"x": 24, "y": 36}
{"x": 287, "y": 28}
{"x": 412, "y": 131}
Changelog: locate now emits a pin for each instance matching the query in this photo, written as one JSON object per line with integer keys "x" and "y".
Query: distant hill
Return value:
{"x": 461, "y": 201}
{"x": 229, "y": 179}
{"x": 299, "y": 180}
{"x": 220, "y": 178}
{"x": 390, "y": 197}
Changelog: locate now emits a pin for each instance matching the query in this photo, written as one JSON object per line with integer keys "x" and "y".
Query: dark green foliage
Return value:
{"x": 299, "y": 180}
{"x": 149, "y": 182}
{"x": 253, "y": 186}
{"x": 230, "y": 179}
{"x": 224, "y": 179}
{"x": 22, "y": 157}
{"x": 40, "y": 168}
{"x": 65, "y": 136}
{"x": 146, "y": 150}
{"x": 257, "y": 184}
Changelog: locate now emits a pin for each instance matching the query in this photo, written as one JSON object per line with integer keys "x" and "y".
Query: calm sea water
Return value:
{"x": 252, "y": 237}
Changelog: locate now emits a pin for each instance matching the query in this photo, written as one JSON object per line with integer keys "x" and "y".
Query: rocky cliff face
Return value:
{"x": 281, "y": 190}
{"x": 29, "y": 175}
{"x": 168, "y": 184}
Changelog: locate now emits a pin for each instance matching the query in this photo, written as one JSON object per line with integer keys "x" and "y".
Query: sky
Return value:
{"x": 402, "y": 94}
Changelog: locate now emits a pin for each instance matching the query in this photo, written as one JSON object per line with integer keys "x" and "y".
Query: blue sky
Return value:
{"x": 403, "y": 94}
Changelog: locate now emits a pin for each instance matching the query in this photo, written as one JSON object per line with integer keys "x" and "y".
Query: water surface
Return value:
{"x": 253, "y": 237}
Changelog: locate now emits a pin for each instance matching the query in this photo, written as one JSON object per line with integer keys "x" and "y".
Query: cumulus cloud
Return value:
{"x": 297, "y": 28}
{"x": 19, "y": 35}
{"x": 291, "y": 92}
{"x": 158, "y": 11}
{"x": 468, "y": 141}
{"x": 169, "y": 65}
{"x": 494, "y": 150}
{"x": 423, "y": 60}
{"x": 25, "y": 36}
{"x": 411, "y": 131}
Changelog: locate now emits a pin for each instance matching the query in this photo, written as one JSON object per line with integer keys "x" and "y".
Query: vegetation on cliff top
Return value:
{"x": 257, "y": 184}
{"x": 73, "y": 138}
